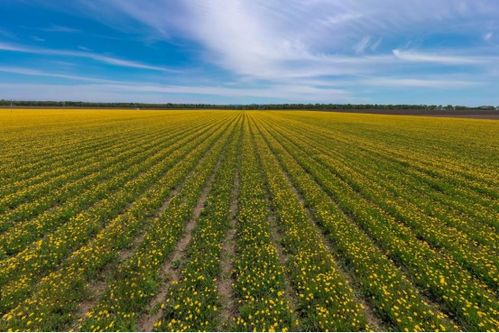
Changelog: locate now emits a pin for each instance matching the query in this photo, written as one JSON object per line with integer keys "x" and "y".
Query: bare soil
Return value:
{"x": 228, "y": 252}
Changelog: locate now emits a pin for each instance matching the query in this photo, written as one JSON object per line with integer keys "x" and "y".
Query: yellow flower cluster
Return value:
{"x": 47, "y": 253}
{"x": 460, "y": 239}
{"x": 259, "y": 280}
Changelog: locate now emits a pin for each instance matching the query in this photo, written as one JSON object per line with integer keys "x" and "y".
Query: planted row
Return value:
{"x": 27, "y": 267}
{"x": 325, "y": 299}
{"x": 259, "y": 278}
{"x": 138, "y": 279}
{"x": 480, "y": 260}
{"x": 193, "y": 303}
{"x": 15, "y": 239}
{"x": 432, "y": 270}
{"x": 62, "y": 290}
{"x": 385, "y": 287}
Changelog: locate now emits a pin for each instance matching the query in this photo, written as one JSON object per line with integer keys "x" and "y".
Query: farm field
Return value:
{"x": 242, "y": 220}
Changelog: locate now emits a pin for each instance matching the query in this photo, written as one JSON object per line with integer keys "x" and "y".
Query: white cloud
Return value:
{"x": 374, "y": 46}
{"x": 282, "y": 90}
{"x": 488, "y": 36}
{"x": 34, "y": 72}
{"x": 338, "y": 19}
{"x": 421, "y": 83}
{"x": 134, "y": 91}
{"x": 441, "y": 58}
{"x": 60, "y": 28}
{"x": 362, "y": 45}
{"x": 82, "y": 54}
{"x": 38, "y": 39}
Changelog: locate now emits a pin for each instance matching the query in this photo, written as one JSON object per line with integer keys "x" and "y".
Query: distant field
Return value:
{"x": 232, "y": 220}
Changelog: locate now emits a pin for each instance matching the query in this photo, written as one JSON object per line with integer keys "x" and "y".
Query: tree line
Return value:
{"x": 318, "y": 107}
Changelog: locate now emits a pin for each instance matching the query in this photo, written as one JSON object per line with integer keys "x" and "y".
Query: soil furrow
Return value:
{"x": 170, "y": 269}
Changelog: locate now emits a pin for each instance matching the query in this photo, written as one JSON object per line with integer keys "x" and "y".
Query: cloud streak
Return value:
{"x": 60, "y": 28}
{"x": 442, "y": 58}
{"x": 299, "y": 92}
{"x": 162, "y": 93}
{"x": 82, "y": 54}
{"x": 421, "y": 83}
{"x": 34, "y": 72}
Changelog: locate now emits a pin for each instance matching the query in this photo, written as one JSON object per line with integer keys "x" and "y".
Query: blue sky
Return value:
{"x": 251, "y": 51}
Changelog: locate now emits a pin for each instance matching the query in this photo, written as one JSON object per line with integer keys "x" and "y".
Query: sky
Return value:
{"x": 251, "y": 51}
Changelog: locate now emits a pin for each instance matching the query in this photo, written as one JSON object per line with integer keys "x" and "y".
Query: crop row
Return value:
{"x": 259, "y": 277}
{"x": 324, "y": 298}
{"x": 61, "y": 290}
{"x": 426, "y": 168}
{"x": 23, "y": 270}
{"x": 139, "y": 278}
{"x": 43, "y": 163}
{"x": 83, "y": 179}
{"x": 193, "y": 302}
{"x": 478, "y": 258}
{"x": 267, "y": 221}
{"x": 431, "y": 269}
{"x": 74, "y": 167}
{"x": 457, "y": 158}
{"x": 36, "y": 164}
{"x": 386, "y": 288}
{"x": 440, "y": 187}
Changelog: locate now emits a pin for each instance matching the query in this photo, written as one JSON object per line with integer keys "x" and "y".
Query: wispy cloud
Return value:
{"x": 421, "y": 83}
{"x": 83, "y": 48}
{"x": 38, "y": 39}
{"x": 362, "y": 45}
{"x": 374, "y": 46}
{"x": 60, "y": 28}
{"x": 35, "y": 72}
{"x": 82, "y": 54}
{"x": 440, "y": 58}
{"x": 161, "y": 93}
{"x": 296, "y": 91}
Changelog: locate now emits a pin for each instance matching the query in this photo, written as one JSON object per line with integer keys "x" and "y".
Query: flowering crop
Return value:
{"x": 259, "y": 275}
{"x": 115, "y": 220}
{"x": 192, "y": 303}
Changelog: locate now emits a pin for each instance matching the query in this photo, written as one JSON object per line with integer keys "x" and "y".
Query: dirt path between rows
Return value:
{"x": 170, "y": 269}
{"x": 226, "y": 281}
{"x": 97, "y": 288}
